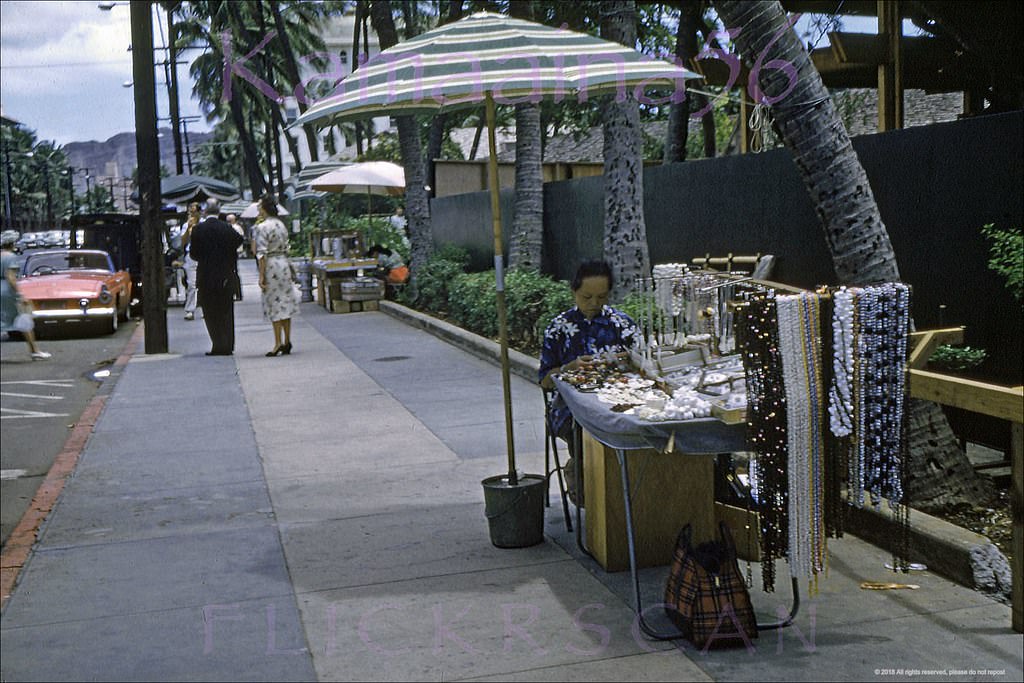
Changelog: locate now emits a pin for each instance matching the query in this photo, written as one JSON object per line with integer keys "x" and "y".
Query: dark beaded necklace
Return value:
{"x": 757, "y": 337}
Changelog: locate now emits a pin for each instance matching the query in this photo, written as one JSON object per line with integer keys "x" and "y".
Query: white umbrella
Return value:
{"x": 253, "y": 210}
{"x": 485, "y": 57}
{"x": 371, "y": 177}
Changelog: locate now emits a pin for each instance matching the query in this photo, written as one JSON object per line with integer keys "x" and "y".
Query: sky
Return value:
{"x": 63, "y": 66}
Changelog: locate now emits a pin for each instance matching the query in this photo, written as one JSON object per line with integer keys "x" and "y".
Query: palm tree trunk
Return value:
{"x": 857, "y": 239}
{"x": 625, "y": 232}
{"x": 527, "y": 236}
{"x": 677, "y": 131}
{"x": 291, "y": 66}
{"x": 476, "y": 136}
{"x": 252, "y": 164}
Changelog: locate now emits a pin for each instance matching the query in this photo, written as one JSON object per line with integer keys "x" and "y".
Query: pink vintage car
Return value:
{"x": 75, "y": 287}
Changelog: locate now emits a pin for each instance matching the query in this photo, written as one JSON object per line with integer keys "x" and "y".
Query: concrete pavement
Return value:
{"x": 320, "y": 517}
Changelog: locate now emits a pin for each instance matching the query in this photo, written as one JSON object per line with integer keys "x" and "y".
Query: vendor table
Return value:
{"x": 683, "y": 492}
{"x": 331, "y": 272}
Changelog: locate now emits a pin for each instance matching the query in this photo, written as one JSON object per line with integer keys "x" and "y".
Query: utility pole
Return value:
{"x": 154, "y": 309}
{"x": 172, "y": 91}
{"x": 9, "y": 222}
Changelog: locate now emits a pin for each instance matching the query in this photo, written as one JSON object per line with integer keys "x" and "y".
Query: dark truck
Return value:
{"x": 118, "y": 234}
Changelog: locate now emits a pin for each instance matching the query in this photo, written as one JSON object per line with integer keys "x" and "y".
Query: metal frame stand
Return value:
{"x": 647, "y": 629}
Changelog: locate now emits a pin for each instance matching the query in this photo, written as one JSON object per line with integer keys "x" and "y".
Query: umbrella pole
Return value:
{"x": 499, "y": 272}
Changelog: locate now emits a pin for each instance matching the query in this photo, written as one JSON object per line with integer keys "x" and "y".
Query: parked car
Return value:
{"x": 118, "y": 234}
{"x": 53, "y": 239}
{"x": 73, "y": 287}
{"x": 28, "y": 240}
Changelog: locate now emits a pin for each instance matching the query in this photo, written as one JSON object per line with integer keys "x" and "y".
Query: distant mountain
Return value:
{"x": 116, "y": 158}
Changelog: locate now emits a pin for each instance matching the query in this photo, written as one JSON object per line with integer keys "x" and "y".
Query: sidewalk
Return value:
{"x": 319, "y": 516}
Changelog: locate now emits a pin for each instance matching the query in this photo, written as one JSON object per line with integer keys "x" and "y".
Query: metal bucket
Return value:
{"x": 515, "y": 513}
{"x": 305, "y": 275}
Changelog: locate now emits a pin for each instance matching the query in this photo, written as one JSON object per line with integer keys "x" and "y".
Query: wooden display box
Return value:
{"x": 745, "y": 527}
{"x": 730, "y": 416}
{"x": 668, "y": 491}
{"x": 342, "y": 306}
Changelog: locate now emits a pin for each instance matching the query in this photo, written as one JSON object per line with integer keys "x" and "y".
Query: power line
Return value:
{"x": 53, "y": 66}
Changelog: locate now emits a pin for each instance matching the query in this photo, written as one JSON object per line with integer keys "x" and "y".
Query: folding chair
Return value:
{"x": 551, "y": 452}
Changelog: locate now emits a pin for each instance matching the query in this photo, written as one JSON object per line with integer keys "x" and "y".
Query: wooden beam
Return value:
{"x": 924, "y": 344}
{"x": 890, "y": 70}
{"x": 862, "y": 8}
{"x": 1017, "y": 513}
{"x": 1006, "y": 403}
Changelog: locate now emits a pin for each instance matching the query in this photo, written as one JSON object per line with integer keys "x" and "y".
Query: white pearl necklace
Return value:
{"x": 840, "y": 407}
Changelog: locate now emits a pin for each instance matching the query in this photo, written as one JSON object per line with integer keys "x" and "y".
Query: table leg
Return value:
{"x": 577, "y": 453}
{"x": 647, "y": 629}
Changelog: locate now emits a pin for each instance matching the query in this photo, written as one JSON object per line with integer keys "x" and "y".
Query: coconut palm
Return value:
{"x": 862, "y": 254}
{"x": 295, "y": 24}
{"x": 526, "y": 238}
{"x": 204, "y": 23}
{"x": 625, "y": 232}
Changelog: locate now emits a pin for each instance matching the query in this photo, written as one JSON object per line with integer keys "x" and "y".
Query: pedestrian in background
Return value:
{"x": 15, "y": 312}
{"x": 280, "y": 302}
{"x": 189, "y": 263}
{"x": 233, "y": 222}
{"x": 214, "y": 246}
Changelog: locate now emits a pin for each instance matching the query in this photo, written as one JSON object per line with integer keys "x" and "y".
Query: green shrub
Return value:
{"x": 532, "y": 300}
{"x": 1006, "y": 256}
{"x": 379, "y": 231}
{"x": 639, "y": 306}
{"x": 472, "y": 303}
{"x": 435, "y": 276}
{"x": 956, "y": 358}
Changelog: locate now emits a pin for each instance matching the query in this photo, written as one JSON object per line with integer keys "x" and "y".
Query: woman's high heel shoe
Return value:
{"x": 278, "y": 350}
{"x": 286, "y": 349}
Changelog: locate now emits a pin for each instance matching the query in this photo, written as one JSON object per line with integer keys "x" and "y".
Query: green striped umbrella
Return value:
{"x": 495, "y": 59}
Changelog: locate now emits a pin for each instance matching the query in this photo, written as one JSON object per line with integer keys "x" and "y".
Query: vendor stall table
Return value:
{"x": 331, "y": 273}
{"x": 673, "y": 457}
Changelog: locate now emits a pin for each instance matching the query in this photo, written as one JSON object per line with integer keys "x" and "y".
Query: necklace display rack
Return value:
{"x": 692, "y": 317}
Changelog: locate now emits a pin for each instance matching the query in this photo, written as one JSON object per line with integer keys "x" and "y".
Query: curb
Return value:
{"x": 953, "y": 552}
{"x": 519, "y": 363}
{"x": 19, "y": 545}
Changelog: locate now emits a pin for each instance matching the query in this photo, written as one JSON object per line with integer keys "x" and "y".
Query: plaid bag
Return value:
{"x": 706, "y": 596}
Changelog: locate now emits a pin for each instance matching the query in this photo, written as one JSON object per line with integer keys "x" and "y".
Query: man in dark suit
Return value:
{"x": 214, "y": 245}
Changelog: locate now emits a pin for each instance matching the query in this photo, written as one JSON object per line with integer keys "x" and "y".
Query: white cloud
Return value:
{"x": 63, "y": 66}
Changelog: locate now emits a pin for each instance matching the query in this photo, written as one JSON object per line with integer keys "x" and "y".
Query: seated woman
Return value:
{"x": 574, "y": 337}
{"x": 389, "y": 264}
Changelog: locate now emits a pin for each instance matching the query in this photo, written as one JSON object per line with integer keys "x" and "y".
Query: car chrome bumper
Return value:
{"x": 54, "y": 315}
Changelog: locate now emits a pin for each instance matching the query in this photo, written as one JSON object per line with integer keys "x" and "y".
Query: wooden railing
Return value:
{"x": 1005, "y": 403}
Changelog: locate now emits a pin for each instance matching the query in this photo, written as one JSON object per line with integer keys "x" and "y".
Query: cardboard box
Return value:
{"x": 745, "y": 527}
{"x": 342, "y": 306}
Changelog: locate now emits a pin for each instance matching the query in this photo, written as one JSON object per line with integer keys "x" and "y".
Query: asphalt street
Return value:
{"x": 40, "y": 403}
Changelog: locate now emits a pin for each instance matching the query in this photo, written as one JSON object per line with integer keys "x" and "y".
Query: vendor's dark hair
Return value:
{"x": 378, "y": 249}
{"x": 594, "y": 268}
{"x": 268, "y": 203}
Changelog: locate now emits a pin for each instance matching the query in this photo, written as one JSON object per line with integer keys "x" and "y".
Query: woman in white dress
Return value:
{"x": 280, "y": 302}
